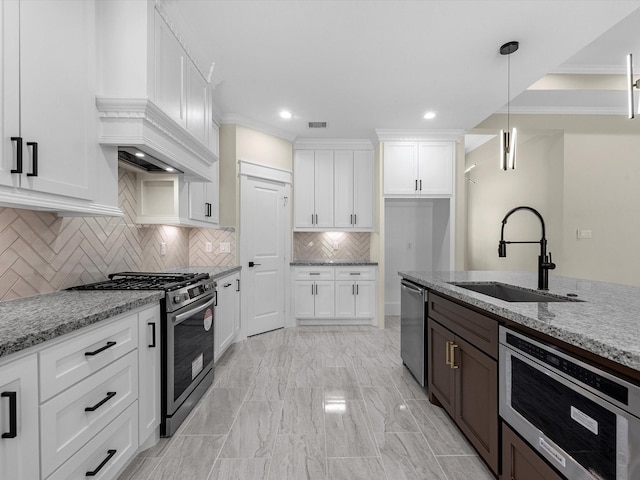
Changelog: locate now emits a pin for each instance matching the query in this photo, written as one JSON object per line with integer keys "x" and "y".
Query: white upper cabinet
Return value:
{"x": 169, "y": 72}
{"x": 418, "y": 168}
{"x": 313, "y": 189}
{"x": 49, "y": 153}
{"x": 333, "y": 189}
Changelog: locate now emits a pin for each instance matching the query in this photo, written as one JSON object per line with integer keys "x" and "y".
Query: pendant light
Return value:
{"x": 508, "y": 139}
{"x": 630, "y": 86}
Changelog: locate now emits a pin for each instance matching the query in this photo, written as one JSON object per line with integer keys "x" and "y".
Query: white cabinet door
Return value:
{"x": 9, "y": 88}
{"x": 323, "y": 188}
{"x": 57, "y": 96}
{"x": 196, "y": 94}
{"x": 224, "y": 315}
{"x": 435, "y": 168}
{"x": 212, "y": 195}
{"x": 304, "y": 188}
{"x": 365, "y": 299}
{"x": 343, "y": 184}
{"x": 304, "y": 299}
{"x": 400, "y": 168}
{"x": 169, "y": 72}
{"x": 148, "y": 372}
{"x": 325, "y": 299}
{"x": 363, "y": 189}
{"x": 345, "y": 299}
{"x": 19, "y": 454}
{"x": 197, "y": 202}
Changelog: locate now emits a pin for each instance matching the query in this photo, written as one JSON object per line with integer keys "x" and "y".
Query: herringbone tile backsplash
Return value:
{"x": 322, "y": 245}
{"x": 40, "y": 252}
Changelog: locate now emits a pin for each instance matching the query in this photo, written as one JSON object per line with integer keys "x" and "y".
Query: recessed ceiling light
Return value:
{"x": 286, "y": 115}
{"x": 430, "y": 115}
{"x": 169, "y": 169}
{"x": 139, "y": 154}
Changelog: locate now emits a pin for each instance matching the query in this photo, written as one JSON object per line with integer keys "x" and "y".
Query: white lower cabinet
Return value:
{"x": 226, "y": 317}
{"x": 19, "y": 440}
{"x": 106, "y": 453}
{"x": 148, "y": 372}
{"x": 334, "y": 293}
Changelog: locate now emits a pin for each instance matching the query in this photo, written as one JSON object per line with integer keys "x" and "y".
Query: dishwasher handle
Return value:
{"x": 412, "y": 287}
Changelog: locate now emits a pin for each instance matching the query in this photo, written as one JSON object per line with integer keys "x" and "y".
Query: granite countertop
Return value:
{"x": 213, "y": 271}
{"x": 606, "y": 323}
{"x": 33, "y": 320}
{"x": 331, "y": 263}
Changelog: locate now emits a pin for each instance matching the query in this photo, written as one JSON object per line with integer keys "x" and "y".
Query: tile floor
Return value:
{"x": 314, "y": 403}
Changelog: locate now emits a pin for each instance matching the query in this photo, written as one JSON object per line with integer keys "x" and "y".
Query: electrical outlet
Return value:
{"x": 225, "y": 247}
{"x": 163, "y": 248}
{"x": 584, "y": 234}
{"x": 336, "y": 245}
{"x": 208, "y": 247}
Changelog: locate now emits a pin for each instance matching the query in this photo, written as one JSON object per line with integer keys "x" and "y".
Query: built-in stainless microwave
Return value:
{"x": 582, "y": 420}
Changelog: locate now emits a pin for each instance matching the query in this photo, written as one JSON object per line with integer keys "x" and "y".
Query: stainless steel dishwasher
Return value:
{"x": 413, "y": 332}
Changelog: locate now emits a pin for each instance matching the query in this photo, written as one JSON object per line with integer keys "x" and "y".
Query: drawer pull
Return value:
{"x": 314, "y": 273}
{"x": 452, "y": 355}
{"x": 153, "y": 334}
{"x": 18, "y": 141}
{"x": 95, "y": 352}
{"x": 93, "y": 473}
{"x": 34, "y": 168}
{"x": 109, "y": 396}
{"x": 237, "y": 284}
{"x": 227, "y": 285}
{"x": 13, "y": 415}
{"x": 354, "y": 273}
{"x": 447, "y": 353}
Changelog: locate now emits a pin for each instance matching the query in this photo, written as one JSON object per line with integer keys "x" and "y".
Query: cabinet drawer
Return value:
{"x": 355, "y": 273}
{"x": 120, "y": 435}
{"x": 70, "y": 361}
{"x": 475, "y": 328}
{"x": 314, "y": 273}
{"x": 65, "y": 425}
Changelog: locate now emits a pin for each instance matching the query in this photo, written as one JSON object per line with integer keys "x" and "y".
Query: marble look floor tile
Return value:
{"x": 189, "y": 458}
{"x": 269, "y": 383}
{"x": 347, "y": 430}
{"x": 159, "y": 449}
{"x": 278, "y": 357}
{"x": 215, "y": 412}
{"x": 339, "y": 377}
{"x": 371, "y": 374}
{"x": 254, "y": 430}
{"x": 406, "y": 456}
{"x": 298, "y": 457}
{"x": 241, "y": 469}
{"x": 369, "y": 345}
{"x": 464, "y": 468}
{"x": 302, "y": 412}
{"x": 408, "y": 387}
{"x": 231, "y": 354}
{"x": 334, "y": 394}
{"x": 387, "y": 410}
{"x": 439, "y": 430}
{"x": 336, "y": 358}
{"x": 140, "y": 469}
{"x": 237, "y": 375}
{"x": 355, "y": 469}
{"x": 306, "y": 371}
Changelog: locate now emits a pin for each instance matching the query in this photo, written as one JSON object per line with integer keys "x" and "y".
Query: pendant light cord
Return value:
{"x": 508, "y": 93}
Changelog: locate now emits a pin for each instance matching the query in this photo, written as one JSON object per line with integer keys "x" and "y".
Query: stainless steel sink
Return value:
{"x": 511, "y": 293}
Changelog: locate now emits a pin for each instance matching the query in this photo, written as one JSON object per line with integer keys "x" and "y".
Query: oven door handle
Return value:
{"x": 183, "y": 316}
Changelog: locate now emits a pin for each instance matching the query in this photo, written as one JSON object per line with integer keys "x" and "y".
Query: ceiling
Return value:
{"x": 362, "y": 65}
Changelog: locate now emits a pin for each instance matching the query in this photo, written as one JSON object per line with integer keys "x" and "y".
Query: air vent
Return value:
{"x": 317, "y": 124}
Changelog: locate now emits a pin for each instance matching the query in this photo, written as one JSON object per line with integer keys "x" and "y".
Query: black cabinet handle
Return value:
{"x": 34, "y": 156}
{"x": 237, "y": 284}
{"x": 355, "y": 218}
{"x": 351, "y": 221}
{"x": 416, "y": 186}
{"x": 252, "y": 264}
{"x": 316, "y": 288}
{"x": 153, "y": 334}
{"x": 93, "y": 473}
{"x": 18, "y": 168}
{"x": 95, "y": 352}
{"x": 227, "y": 285}
{"x": 109, "y": 396}
{"x": 207, "y": 208}
{"x": 357, "y": 293}
{"x": 353, "y": 289}
{"x": 420, "y": 185}
{"x": 13, "y": 414}
{"x": 316, "y": 219}
{"x": 215, "y": 299}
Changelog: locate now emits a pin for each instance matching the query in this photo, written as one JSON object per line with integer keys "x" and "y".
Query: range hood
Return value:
{"x": 136, "y": 158}
{"x": 137, "y": 125}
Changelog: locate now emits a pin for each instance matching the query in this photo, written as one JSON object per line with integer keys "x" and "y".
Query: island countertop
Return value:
{"x": 606, "y": 322}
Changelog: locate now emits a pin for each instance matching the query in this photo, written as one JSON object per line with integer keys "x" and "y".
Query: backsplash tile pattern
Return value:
{"x": 320, "y": 245}
{"x": 40, "y": 252}
{"x": 198, "y": 237}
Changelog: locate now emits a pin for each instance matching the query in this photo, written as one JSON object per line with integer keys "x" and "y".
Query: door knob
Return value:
{"x": 252, "y": 264}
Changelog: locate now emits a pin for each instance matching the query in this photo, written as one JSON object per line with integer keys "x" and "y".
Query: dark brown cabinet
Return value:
{"x": 521, "y": 462}
{"x": 462, "y": 377}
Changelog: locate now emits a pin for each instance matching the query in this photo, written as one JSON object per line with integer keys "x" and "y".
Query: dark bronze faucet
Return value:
{"x": 544, "y": 262}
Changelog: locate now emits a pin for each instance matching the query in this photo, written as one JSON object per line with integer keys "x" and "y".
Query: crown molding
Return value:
{"x": 139, "y": 122}
{"x": 559, "y": 110}
{"x": 232, "y": 118}
{"x": 251, "y": 169}
{"x": 329, "y": 144}
{"x": 387, "y": 135}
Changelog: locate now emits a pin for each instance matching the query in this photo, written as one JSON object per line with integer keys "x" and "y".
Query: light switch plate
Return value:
{"x": 163, "y": 248}
{"x": 208, "y": 247}
{"x": 225, "y": 247}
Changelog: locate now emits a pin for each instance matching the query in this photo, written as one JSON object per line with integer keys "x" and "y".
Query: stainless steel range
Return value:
{"x": 186, "y": 340}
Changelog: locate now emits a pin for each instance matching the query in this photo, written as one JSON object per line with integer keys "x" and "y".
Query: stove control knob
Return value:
{"x": 177, "y": 299}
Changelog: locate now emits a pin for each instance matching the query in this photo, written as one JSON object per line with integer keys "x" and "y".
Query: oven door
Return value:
{"x": 189, "y": 333}
{"x": 582, "y": 435}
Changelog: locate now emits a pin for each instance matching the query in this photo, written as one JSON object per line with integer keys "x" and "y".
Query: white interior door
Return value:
{"x": 264, "y": 227}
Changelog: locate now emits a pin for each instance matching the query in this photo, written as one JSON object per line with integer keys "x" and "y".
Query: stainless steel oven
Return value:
{"x": 582, "y": 420}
